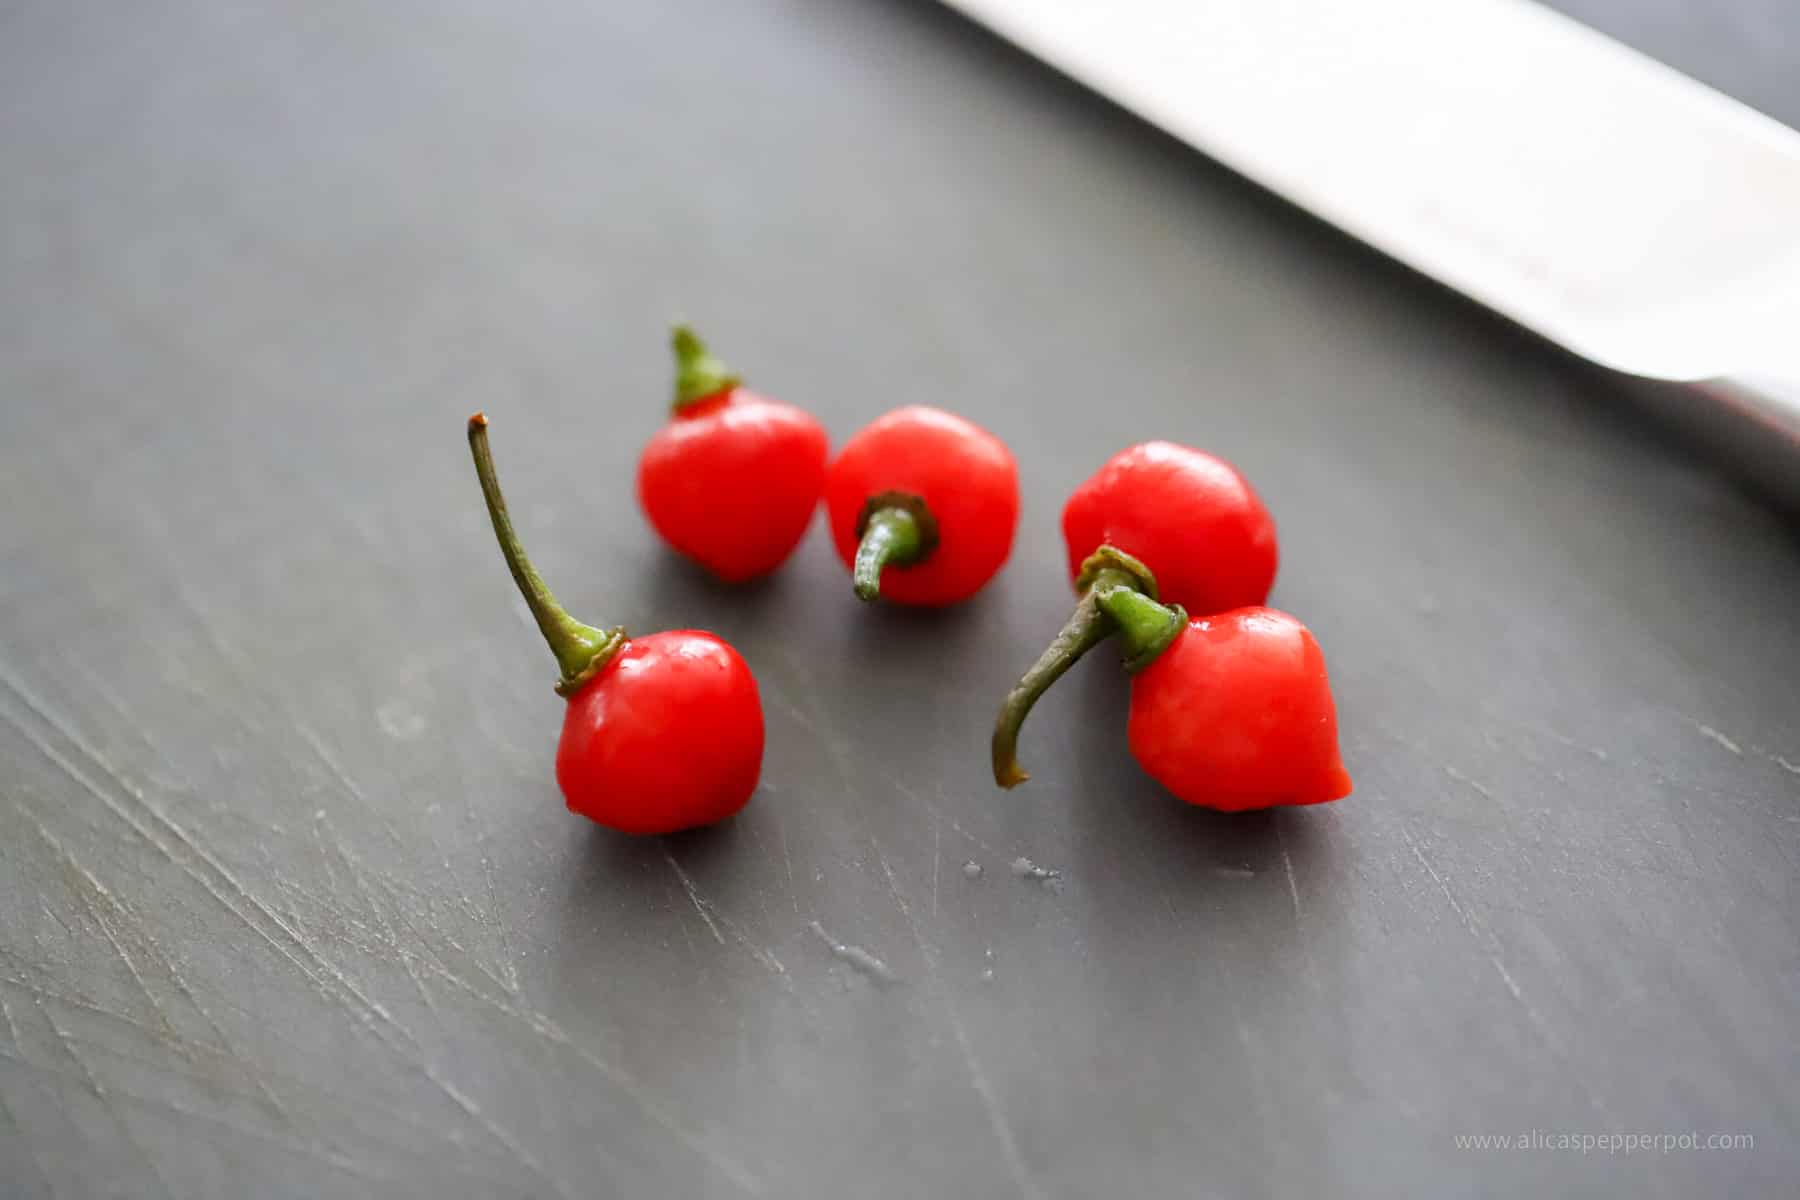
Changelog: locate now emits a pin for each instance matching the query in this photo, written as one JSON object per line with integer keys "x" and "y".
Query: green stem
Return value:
{"x": 581, "y": 650}
{"x": 892, "y": 536}
{"x": 895, "y": 529}
{"x": 1087, "y": 627}
{"x": 1146, "y": 627}
{"x": 697, "y": 373}
{"x": 1118, "y": 595}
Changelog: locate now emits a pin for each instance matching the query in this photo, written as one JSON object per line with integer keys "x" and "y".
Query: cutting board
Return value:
{"x": 290, "y": 905}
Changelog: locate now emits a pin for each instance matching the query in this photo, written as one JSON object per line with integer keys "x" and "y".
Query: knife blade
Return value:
{"x": 1604, "y": 201}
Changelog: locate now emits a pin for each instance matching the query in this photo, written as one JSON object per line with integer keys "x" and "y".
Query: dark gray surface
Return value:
{"x": 289, "y": 904}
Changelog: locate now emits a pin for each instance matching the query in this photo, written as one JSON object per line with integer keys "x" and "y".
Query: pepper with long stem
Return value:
{"x": 1232, "y": 711}
{"x": 661, "y": 733}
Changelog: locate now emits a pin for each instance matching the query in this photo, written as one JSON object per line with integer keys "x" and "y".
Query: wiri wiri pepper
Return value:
{"x": 733, "y": 479}
{"x": 1189, "y": 516}
{"x": 663, "y": 732}
{"x": 923, "y": 505}
{"x": 1231, "y": 711}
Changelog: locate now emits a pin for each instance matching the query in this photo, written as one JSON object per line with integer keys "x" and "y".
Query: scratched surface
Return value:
{"x": 289, "y": 905}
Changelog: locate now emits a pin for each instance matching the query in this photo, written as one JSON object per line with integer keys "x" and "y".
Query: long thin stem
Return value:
{"x": 581, "y": 650}
{"x": 1087, "y": 627}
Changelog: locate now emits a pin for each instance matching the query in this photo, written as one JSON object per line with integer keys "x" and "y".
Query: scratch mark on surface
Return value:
{"x": 313, "y": 1150}
{"x": 1572, "y": 744}
{"x": 1513, "y": 987}
{"x": 1287, "y": 865}
{"x": 12, "y": 1027}
{"x": 787, "y": 864}
{"x": 553, "y": 1034}
{"x": 225, "y": 1047}
{"x": 102, "y": 691}
{"x": 177, "y": 846}
{"x": 693, "y": 895}
{"x": 628, "y": 1086}
{"x": 210, "y": 1080}
{"x": 761, "y": 891}
{"x": 1792, "y": 768}
{"x": 92, "y": 894}
{"x": 856, "y": 956}
{"x": 1457, "y": 775}
{"x": 324, "y": 754}
{"x": 322, "y": 825}
{"x": 790, "y": 708}
{"x": 31, "y": 1150}
{"x": 396, "y": 901}
{"x": 937, "y": 860}
{"x": 502, "y": 942}
{"x": 990, "y": 1100}
{"x": 681, "y": 924}
{"x": 513, "y": 1147}
{"x": 106, "y": 1101}
{"x": 714, "y": 919}
{"x": 386, "y": 936}
{"x": 937, "y": 814}
{"x": 1543, "y": 1031}
{"x": 1455, "y": 907}
{"x": 56, "y": 917}
{"x": 1709, "y": 732}
{"x": 166, "y": 835}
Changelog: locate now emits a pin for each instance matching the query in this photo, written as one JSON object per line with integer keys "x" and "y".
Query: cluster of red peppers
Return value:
{"x": 1230, "y": 709}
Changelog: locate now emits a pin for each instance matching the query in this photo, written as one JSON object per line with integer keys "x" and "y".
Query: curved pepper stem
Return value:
{"x": 1118, "y": 595}
{"x": 895, "y": 529}
{"x": 698, "y": 374}
{"x": 581, "y": 650}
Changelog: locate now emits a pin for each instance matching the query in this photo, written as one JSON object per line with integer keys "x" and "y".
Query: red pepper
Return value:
{"x": 1191, "y": 517}
{"x": 1232, "y": 711}
{"x": 733, "y": 479}
{"x": 663, "y": 732}
{"x": 923, "y": 505}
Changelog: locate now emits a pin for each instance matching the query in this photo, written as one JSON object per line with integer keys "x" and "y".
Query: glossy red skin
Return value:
{"x": 965, "y": 475}
{"x": 1190, "y": 517}
{"x": 1237, "y": 714}
{"x": 668, "y": 736}
{"x": 732, "y": 481}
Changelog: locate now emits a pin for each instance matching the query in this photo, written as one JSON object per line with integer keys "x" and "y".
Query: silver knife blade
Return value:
{"x": 1604, "y": 201}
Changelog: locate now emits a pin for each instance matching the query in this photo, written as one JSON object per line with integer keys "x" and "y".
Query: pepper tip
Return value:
{"x": 1010, "y": 775}
{"x": 1005, "y": 758}
{"x": 478, "y": 421}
